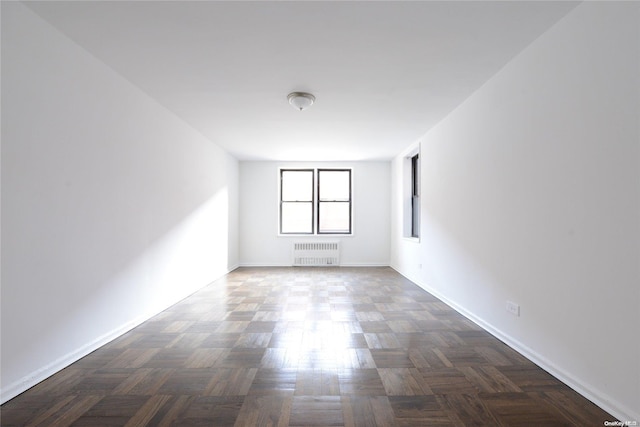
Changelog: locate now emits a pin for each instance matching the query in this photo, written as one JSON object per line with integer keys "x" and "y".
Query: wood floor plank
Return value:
{"x": 355, "y": 358}
{"x": 178, "y": 326}
{"x": 146, "y": 413}
{"x": 317, "y": 382}
{"x": 447, "y": 381}
{"x": 424, "y": 408}
{"x": 404, "y": 382}
{"x": 167, "y": 415}
{"x": 361, "y": 382}
{"x": 146, "y": 381}
{"x": 488, "y": 379}
{"x": 468, "y": 410}
{"x": 60, "y": 383}
{"x": 519, "y": 409}
{"x": 132, "y": 358}
{"x": 68, "y": 415}
{"x": 230, "y": 382}
{"x": 206, "y": 357}
{"x": 105, "y": 410}
{"x": 209, "y": 411}
{"x": 265, "y": 410}
{"x": 190, "y": 340}
{"x": 392, "y": 358}
{"x": 51, "y": 412}
{"x": 364, "y": 411}
{"x": 573, "y": 408}
{"x": 316, "y": 411}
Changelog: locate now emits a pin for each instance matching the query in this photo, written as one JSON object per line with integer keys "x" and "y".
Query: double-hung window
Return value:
{"x": 415, "y": 196}
{"x": 315, "y": 201}
{"x": 411, "y": 196}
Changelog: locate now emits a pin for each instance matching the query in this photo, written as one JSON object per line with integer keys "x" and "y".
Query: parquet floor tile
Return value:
{"x": 316, "y": 411}
{"x": 304, "y": 347}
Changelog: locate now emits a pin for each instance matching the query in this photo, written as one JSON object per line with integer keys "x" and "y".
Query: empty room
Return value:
{"x": 320, "y": 213}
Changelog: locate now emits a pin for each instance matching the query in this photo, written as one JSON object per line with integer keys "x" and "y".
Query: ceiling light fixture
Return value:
{"x": 301, "y": 100}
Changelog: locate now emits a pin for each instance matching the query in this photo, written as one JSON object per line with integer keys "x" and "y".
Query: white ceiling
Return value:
{"x": 383, "y": 73}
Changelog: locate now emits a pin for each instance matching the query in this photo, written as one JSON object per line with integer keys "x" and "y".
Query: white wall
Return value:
{"x": 112, "y": 208}
{"x": 260, "y": 244}
{"x": 531, "y": 193}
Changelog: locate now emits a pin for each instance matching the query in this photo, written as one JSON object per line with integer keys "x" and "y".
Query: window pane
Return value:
{"x": 297, "y": 185}
{"x": 297, "y": 217}
{"x": 415, "y": 216}
{"x": 415, "y": 175}
{"x": 334, "y": 185}
{"x": 334, "y": 217}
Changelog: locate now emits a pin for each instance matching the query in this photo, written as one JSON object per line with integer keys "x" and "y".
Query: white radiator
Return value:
{"x": 316, "y": 253}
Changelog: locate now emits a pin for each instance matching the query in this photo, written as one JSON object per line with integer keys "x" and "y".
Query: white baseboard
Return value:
{"x": 365, "y": 264}
{"x": 262, "y": 264}
{"x": 586, "y": 390}
{"x": 355, "y": 264}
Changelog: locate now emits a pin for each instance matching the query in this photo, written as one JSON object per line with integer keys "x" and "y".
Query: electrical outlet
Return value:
{"x": 513, "y": 308}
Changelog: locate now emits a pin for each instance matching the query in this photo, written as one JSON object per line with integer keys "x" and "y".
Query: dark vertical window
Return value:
{"x": 415, "y": 196}
{"x": 334, "y": 201}
{"x": 296, "y": 201}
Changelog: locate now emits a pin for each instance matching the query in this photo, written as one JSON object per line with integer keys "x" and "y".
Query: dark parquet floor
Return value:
{"x": 304, "y": 347}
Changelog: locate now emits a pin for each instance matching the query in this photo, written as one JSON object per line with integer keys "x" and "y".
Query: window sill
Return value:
{"x": 411, "y": 239}
{"x": 321, "y": 236}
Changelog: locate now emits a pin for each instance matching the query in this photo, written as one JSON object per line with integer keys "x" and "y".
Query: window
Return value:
{"x": 411, "y": 195}
{"x": 415, "y": 196}
{"x": 315, "y": 201}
